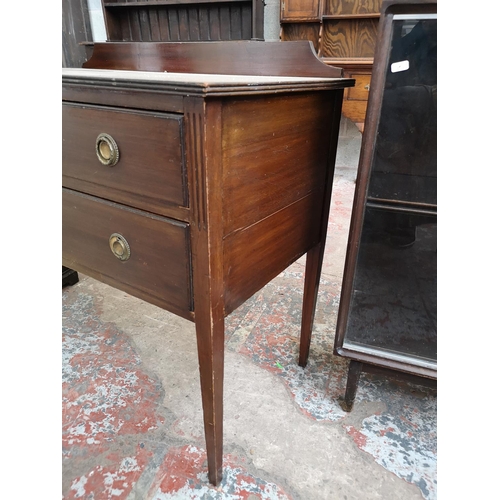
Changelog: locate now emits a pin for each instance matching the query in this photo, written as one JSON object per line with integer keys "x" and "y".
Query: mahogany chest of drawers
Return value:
{"x": 191, "y": 189}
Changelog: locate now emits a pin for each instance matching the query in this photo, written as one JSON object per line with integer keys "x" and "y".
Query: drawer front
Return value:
{"x": 361, "y": 89}
{"x": 158, "y": 268}
{"x": 150, "y": 172}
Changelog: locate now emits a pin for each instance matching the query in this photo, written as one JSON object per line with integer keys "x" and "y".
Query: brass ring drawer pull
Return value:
{"x": 107, "y": 150}
{"x": 119, "y": 246}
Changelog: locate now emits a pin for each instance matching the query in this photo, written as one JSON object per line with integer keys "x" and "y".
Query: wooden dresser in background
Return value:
{"x": 183, "y": 20}
{"x": 158, "y": 21}
{"x": 343, "y": 33}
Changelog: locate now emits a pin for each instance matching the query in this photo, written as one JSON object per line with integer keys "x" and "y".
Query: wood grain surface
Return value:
{"x": 349, "y": 38}
{"x": 150, "y": 173}
{"x": 158, "y": 270}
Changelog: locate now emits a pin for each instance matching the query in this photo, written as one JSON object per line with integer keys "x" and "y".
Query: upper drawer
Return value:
{"x": 150, "y": 172}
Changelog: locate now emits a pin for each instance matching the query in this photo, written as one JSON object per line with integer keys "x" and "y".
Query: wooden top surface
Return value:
{"x": 200, "y": 83}
{"x": 202, "y": 79}
{"x": 232, "y": 67}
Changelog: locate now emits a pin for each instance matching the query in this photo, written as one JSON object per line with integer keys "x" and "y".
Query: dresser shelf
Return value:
{"x": 368, "y": 15}
{"x": 183, "y": 20}
{"x": 110, "y": 4}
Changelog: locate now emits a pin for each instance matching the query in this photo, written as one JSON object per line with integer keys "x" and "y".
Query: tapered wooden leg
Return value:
{"x": 355, "y": 369}
{"x": 311, "y": 285}
{"x": 210, "y": 339}
{"x": 203, "y": 154}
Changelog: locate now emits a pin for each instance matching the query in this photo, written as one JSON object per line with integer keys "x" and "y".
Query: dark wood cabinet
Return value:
{"x": 193, "y": 174}
{"x": 388, "y": 306}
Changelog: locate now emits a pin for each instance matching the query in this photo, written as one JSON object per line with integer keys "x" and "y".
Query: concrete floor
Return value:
{"x": 132, "y": 419}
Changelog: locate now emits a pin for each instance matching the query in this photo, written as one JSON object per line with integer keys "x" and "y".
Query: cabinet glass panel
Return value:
{"x": 394, "y": 305}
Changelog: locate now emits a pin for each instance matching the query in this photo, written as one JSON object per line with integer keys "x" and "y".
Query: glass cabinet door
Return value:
{"x": 389, "y": 298}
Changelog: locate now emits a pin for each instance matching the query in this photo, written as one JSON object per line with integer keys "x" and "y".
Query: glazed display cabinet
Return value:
{"x": 388, "y": 307}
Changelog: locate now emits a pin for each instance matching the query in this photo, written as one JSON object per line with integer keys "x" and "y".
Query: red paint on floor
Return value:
{"x": 357, "y": 436}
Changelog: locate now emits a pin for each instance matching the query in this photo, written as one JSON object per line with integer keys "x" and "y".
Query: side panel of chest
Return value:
{"x": 276, "y": 158}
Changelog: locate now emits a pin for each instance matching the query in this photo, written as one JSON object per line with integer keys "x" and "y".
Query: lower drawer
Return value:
{"x": 142, "y": 254}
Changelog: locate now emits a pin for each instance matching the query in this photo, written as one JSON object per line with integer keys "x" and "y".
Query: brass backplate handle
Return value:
{"x": 119, "y": 246}
{"x": 107, "y": 150}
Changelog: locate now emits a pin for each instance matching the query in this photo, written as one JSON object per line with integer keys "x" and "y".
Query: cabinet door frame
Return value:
{"x": 376, "y": 356}
{"x": 301, "y": 10}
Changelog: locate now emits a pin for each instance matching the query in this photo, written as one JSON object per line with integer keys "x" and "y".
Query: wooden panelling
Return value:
{"x": 349, "y": 38}
{"x": 300, "y": 9}
{"x": 273, "y": 154}
{"x": 303, "y": 31}
{"x": 175, "y": 23}
{"x": 89, "y": 222}
{"x": 345, "y": 7}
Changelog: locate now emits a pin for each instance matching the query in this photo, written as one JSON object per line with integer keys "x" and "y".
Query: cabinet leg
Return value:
{"x": 203, "y": 156}
{"x": 210, "y": 340}
{"x": 355, "y": 369}
{"x": 311, "y": 285}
